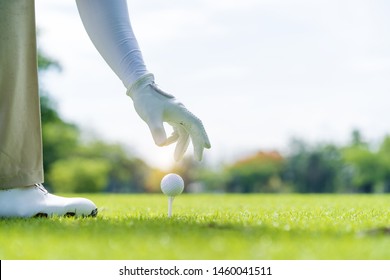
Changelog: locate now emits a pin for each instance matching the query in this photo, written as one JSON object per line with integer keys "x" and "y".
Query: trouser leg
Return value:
{"x": 20, "y": 123}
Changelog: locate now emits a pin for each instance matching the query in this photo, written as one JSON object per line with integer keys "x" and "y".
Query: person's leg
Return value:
{"x": 20, "y": 125}
{"x": 21, "y": 166}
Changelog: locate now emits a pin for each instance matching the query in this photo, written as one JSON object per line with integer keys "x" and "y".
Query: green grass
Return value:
{"x": 209, "y": 227}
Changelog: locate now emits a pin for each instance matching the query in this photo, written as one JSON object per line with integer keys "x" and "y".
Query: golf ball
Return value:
{"x": 172, "y": 184}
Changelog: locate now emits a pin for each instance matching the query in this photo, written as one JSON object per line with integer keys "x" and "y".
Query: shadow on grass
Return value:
{"x": 176, "y": 224}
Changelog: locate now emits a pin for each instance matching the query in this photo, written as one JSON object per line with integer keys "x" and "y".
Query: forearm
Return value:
{"x": 108, "y": 26}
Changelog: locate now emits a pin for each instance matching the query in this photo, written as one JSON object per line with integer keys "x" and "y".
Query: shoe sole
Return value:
{"x": 69, "y": 214}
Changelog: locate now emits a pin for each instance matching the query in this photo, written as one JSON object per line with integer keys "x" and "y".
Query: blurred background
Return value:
{"x": 293, "y": 94}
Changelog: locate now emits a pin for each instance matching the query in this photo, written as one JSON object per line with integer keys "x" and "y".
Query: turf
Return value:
{"x": 256, "y": 226}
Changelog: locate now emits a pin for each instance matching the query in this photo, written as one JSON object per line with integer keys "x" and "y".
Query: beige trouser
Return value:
{"x": 20, "y": 124}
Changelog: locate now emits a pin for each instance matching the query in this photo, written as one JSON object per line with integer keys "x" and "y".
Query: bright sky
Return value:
{"x": 257, "y": 72}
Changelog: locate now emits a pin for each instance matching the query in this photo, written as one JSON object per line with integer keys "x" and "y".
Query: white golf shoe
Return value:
{"x": 36, "y": 201}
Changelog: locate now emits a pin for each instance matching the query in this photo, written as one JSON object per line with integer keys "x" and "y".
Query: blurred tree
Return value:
{"x": 365, "y": 167}
{"x": 126, "y": 172}
{"x": 45, "y": 62}
{"x": 364, "y": 164}
{"x": 213, "y": 180}
{"x": 357, "y": 138}
{"x": 384, "y": 158}
{"x": 257, "y": 173}
{"x": 60, "y": 139}
{"x": 79, "y": 175}
{"x": 313, "y": 169}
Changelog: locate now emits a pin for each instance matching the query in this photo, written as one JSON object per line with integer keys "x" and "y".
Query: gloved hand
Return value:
{"x": 156, "y": 107}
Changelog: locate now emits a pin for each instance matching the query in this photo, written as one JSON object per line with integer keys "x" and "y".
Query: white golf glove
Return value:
{"x": 156, "y": 107}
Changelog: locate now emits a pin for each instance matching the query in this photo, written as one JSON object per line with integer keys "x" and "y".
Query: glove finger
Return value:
{"x": 198, "y": 135}
{"x": 179, "y": 116}
{"x": 173, "y": 138}
{"x": 182, "y": 144}
{"x": 198, "y": 150}
{"x": 158, "y": 132}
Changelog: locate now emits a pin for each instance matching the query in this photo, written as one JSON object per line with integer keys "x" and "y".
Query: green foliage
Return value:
{"x": 257, "y": 173}
{"x": 313, "y": 169}
{"x": 211, "y": 227}
{"x": 365, "y": 167}
{"x": 79, "y": 175}
{"x": 321, "y": 168}
{"x": 126, "y": 172}
{"x": 46, "y": 63}
{"x": 48, "y": 110}
{"x": 105, "y": 167}
{"x": 370, "y": 168}
{"x": 384, "y": 159}
{"x": 60, "y": 140}
{"x": 213, "y": 180}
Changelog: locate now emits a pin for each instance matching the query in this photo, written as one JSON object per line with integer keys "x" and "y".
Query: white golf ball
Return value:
{"x": 172, "y": 184}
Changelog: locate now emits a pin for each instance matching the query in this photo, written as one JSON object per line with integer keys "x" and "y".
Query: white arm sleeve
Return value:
{"x": 108, "y": 26}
